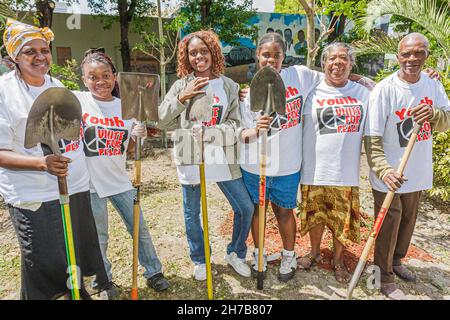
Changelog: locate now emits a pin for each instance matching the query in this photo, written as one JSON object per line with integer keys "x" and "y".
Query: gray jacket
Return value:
{"x": 172, "y": 116}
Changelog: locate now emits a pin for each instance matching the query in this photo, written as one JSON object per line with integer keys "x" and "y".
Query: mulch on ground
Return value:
{"x": 352, "y": 253}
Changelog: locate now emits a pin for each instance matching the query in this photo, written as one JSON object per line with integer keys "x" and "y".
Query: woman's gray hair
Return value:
{"x": 334, "y": 45}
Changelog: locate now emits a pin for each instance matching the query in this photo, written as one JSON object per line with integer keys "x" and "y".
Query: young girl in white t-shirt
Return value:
{"x": 284, "y": 149}
{"x": 106, "y": 137}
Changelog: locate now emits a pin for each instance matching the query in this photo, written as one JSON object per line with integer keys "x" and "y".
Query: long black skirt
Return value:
{"x": 41, "y": 238}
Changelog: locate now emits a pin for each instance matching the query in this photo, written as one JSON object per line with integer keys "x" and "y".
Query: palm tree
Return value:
{"x": 379, "y": 43}
{"x": 5, "y": 10}
{"x": 434, "y": 18}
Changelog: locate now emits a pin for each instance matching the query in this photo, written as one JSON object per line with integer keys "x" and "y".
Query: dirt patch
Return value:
{"x": 162, "y": 209}
{"x": 352, "y": 253}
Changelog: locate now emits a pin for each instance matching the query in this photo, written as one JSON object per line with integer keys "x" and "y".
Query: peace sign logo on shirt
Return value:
{"x": 101, "y": 141}
{"x": 328, "y": 120}
{"x": 340, "y": 118}
{"x": 405, "y": 128}
{"x": 277, "y": 122}
{"x": 68, "y": 145}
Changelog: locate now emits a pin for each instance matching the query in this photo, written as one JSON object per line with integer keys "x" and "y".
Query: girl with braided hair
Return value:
{"x": 106, "y": 136}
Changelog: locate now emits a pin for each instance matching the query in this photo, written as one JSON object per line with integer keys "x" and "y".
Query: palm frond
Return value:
{"x": 5, "y": 10}
{"x": 379, "y": 43}
{"x": 427, "y": 13}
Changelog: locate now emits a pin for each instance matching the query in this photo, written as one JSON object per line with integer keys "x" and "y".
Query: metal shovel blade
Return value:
{"x": 200, "y": 107}
{"x": 54, "y": 115}
{"x": 134, "y": 85}
{"x": 259, "y": 92}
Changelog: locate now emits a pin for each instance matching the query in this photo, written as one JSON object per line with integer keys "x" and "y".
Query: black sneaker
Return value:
{"x": 158, "y": 282}
{"x": 111, "y": 292}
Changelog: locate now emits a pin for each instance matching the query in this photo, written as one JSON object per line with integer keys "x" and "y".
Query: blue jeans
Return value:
{"x": 123, "y": 203}
{"x": 238, "y": 197}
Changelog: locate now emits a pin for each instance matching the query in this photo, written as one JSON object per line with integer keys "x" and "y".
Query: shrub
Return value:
{"x": 67, "y": 74}
{"x": 441, "y": 160}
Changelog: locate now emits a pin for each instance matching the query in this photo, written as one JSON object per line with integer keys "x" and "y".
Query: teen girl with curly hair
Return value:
{"x": 201, "y": 64}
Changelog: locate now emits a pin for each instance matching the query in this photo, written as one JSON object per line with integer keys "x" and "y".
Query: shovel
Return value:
{"x": 381, "y": 215}
{"x": 267, "y": 95}
{"x": 56, "y": 115}
{"x": 200, "y": 111}
{"x": 139, "y": 97}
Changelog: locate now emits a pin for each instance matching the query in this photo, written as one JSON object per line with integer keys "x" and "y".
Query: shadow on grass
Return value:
{"x": 186, "y": 288}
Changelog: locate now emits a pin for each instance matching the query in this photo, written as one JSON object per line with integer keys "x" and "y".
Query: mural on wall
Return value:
{"x": 240, "y": 60}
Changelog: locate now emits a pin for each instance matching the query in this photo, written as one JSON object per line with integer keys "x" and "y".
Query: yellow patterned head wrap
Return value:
{"x": 17, "y": 34}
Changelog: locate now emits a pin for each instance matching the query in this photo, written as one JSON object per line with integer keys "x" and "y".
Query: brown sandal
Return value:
{"x": 309, "y": 261}
{"x": 341, "y": 274}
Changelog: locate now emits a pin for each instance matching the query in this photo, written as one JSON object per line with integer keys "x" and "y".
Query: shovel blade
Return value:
{"x": 200, "y": 107}
{"x": 139, "y": 93}
{"x": 65, "y": 118}
{"x": 259, "y": 92}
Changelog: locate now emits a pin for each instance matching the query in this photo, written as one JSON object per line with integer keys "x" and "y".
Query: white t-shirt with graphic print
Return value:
{"x": 284, "y": 148}
{"x": 27, "y": 188}
{"x": 389, "y": 117}
{"x": 216, "y": 165}
{"x": 332, "y": 134}
{"x": 105, "y": 136}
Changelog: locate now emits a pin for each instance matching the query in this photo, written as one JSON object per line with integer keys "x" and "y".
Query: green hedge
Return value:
{"x": 441, "y": 159}
{"x": 67, "y": 74}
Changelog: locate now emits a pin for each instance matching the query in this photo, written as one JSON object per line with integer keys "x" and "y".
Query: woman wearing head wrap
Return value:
{"x": 28, "y": 177}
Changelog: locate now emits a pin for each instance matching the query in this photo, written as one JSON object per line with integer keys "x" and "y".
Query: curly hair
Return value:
{"x": 212, "y": 41}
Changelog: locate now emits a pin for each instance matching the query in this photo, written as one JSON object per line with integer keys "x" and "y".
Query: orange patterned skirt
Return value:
{"x": 335, "y": 207}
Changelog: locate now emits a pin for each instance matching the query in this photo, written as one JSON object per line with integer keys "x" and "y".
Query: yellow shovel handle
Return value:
{"x": 205, "y": 231}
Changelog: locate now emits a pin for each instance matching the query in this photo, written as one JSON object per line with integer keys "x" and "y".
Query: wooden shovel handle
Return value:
{"x": 62, "y": 186}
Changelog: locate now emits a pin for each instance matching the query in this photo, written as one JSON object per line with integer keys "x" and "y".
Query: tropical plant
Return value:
{"x": 441, "y": 166}
{"x": 427, "y": 13}
{"x": 433, "y": 17}
{"x": 67, "y": 74}
{"x": 377, "y": 43}
{"x": 5, "y": 10}
{"x": 230, "y": 20}
{"x": 130, "y": 14}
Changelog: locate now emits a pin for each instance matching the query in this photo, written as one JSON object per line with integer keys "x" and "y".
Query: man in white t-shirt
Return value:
{"x": 405, "y": 97}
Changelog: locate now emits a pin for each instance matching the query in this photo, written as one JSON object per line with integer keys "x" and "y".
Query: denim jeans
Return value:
{"x": 123, "y": 203}
{"x": 238, "y": 197}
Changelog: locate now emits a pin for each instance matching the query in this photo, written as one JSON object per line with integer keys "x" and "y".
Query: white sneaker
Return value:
{"x": 239, "y": 265}
{"x": 288, "y": 265}
{"x": 200, "y": 272}
{"x": 255, "y": 260}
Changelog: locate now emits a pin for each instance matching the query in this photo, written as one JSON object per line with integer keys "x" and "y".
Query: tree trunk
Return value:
{"x": 45, "y": 10}
{"x": 334, "y": 34}
{"x": 341, "y": 28}
{"x": 204, "y": 9}
{"x": 308, "y": 6}
{"x": 162, "y": 64}
{"x": 124, "y": 18}
{"x": 162, "y": 55}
